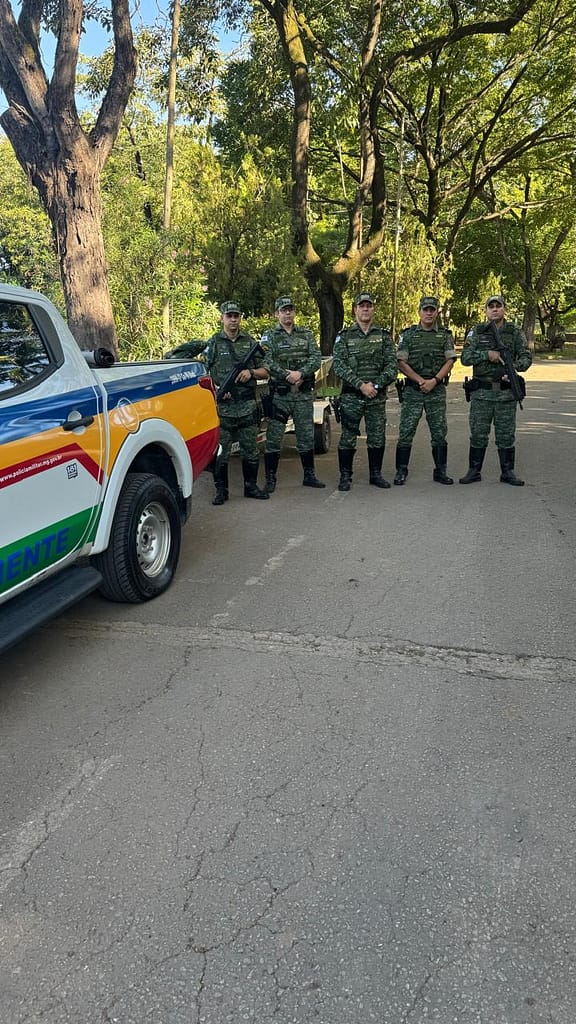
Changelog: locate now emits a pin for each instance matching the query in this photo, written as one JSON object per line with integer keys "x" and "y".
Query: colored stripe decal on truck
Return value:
{"x": 27, "y": 557}
{"x": 30, "y": 467}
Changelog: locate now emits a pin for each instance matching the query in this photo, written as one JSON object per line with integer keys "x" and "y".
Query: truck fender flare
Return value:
{"x": 150, "y": 432}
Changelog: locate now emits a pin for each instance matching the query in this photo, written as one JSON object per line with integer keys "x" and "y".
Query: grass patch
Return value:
{"x": 568, "y": 351}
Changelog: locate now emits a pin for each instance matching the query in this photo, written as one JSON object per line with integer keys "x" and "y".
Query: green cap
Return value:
{"x": 230, "y": 307}
{"x": 495, "y": 298}
{"x": 364, "y": 297}
{"x": 282, "y": 301}
{"x": 428, "y": 300}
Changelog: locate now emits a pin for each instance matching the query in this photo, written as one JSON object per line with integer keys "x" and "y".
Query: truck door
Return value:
{"x": 51, "y": 448}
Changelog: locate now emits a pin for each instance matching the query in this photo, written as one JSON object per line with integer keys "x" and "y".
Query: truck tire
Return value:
{"x": 141, "y": 558}
{"x": 323, "y": 434}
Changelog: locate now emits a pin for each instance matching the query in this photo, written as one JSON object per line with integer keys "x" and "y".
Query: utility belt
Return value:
{"x": 475, "y": 384}
{"x": 280, "y": 387}
{"x": 409, "y": 383}
{"x": 489, "y": 385}
{"x": 347, "y": 389}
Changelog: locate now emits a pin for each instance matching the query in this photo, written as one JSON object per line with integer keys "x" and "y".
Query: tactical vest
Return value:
{"x": 485, "y": 339}
{"x": 366, "y": 351}
{"x": 426, "y": 349}
{"x": 290, "y": 351}
{"x": 227, "y": 355}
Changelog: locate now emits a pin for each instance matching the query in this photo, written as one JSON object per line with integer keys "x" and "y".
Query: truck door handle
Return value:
{"x": 82, "y": 421}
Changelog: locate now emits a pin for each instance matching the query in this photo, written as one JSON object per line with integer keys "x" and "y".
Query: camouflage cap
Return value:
{"x": 428, "y": 300}
{"x": 495, "y": 298}
{"x": 364, "y": 297}
{"x": 230, "y": 307}
{"x": 283, "y": 301}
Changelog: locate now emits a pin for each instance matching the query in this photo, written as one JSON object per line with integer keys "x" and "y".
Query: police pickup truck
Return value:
{"x": 97, "y": 465}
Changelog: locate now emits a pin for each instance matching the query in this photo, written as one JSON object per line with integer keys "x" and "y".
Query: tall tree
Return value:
{"x": 473, "y": 110}
{"x": 63, "y": 160}
{"x": 357, "y": 63}
{"x": 538, "y": 224}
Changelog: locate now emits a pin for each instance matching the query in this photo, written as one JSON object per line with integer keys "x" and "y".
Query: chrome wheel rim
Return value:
{"x": 153, "y": 539}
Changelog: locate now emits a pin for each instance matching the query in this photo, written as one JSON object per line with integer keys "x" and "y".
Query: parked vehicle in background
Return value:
{"x": 97, "y": 465}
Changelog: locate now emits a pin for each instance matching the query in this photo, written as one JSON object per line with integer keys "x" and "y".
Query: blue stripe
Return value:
{"x": 35, "y": 416}
{"x": 161, "y": 380}
{"x": 46, "y": 413}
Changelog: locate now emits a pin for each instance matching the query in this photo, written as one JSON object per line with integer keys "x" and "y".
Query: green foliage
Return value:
{"x": 27, "y": 255}
{"x": 414, "y": 277}
{"x": 232, "y": 232}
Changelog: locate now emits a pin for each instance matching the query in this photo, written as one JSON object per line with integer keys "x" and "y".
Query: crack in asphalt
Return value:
{"x": 33, "y": 834}
{"x": 386, "y": 653}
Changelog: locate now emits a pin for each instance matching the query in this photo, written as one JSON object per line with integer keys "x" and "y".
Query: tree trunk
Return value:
{"x": 72, "y": 200}
{"x": 331, "y": 309}
{"x": 529, "y": 320}
{"x": 61, "y": 159}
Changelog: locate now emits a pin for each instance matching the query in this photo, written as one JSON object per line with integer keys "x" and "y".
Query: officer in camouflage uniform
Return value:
{"x": 491, "y": 399}
{"x": 426, "y": 356}
{"x": 238, "y": 412}
{"x": 365, "y": 360}
{"x": 292, "y": 359}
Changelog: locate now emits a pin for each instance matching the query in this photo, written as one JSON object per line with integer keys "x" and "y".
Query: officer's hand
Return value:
{"x": 494, "y": 356}
{"x": 243, "y": 377}
{"x": 427, "y": 386}
{"x": 368, "y": 390}
{"x": 294, "y": 377}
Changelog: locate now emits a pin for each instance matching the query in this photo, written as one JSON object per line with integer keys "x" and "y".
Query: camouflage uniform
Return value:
{"x": 295, "y": 351}
{"x": 426, "y": 351}
{"x": 187, "y": 350}
{"x": 290, "y": 351}
{"x": 360, "y": 358}
{"x": 239, "y": 415}
{"x": 493, "y": 401}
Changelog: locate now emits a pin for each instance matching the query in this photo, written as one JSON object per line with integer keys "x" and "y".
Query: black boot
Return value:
{"x": 375, "y": 458}
{"x": 310, "y": 478}
{"x": 475, "y": 460}
{"x": 402, "y": 460}
{"x": 251, "y": 489}
{"x": 271, "y": 460}
{"x": 221, "y": 482}
{"x": 345, "y": 461}
{"x": 507, "y": 475}
{"x": 440, "y": 456}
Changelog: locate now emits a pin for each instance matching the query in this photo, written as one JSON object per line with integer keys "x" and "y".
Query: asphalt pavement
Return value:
{"x": 329, "y": 777}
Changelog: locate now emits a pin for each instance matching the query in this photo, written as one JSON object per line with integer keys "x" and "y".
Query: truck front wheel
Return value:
{"x": 141, "y": 558}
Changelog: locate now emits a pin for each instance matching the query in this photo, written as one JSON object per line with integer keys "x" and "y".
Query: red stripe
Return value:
{"x": 202, "y": 450}
{"x": 31, "y": 467}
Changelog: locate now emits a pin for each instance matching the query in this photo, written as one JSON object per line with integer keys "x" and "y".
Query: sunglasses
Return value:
{"x": 495, "y": 305}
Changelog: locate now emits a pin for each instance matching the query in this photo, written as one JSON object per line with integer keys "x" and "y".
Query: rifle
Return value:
{"x": 400, "y": 384}
{"x": 516, "y": 381}
{"x": 228, "y": 385}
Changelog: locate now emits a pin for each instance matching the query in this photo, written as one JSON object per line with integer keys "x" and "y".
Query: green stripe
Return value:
{"x": 29, "y": 555}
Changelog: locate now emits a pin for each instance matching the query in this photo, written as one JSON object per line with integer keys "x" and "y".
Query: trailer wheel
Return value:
{"x": 323, "y": 434}
{"x": 141, "y": 558}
